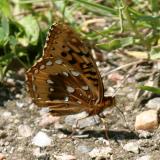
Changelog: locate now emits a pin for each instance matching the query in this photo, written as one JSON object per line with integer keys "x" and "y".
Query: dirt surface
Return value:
{"x": 21, "y": 120}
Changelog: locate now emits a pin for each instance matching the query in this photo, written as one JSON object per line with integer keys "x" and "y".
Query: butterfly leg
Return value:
{"x": 75, "y": 127}
{"x": 104, "y": 122}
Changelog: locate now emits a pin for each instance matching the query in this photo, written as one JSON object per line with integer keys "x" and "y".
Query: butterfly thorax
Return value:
{"x": 98, "y": 108}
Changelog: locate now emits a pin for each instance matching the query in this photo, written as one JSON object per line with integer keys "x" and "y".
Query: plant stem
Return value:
{"x": 132, "y": 26}
{"x": 21, "y": 62}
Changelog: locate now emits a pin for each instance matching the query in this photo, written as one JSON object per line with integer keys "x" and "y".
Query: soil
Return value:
{"x": 18, "y": 110}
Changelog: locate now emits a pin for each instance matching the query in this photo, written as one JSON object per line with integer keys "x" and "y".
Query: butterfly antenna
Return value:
{"x": 119, "y": 87}
{"x": 122, "y": 83}
{"x": 134, "y": 64}
{"x": 123, "y": 117}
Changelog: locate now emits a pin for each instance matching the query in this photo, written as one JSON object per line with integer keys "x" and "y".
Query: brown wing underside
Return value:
{"x": 62, "y": 42}
{"x": 55, "y": 86}
{"x": 61, "y": 108}
{"x": 58, "y": 82}
{"x": 66, "y": 79}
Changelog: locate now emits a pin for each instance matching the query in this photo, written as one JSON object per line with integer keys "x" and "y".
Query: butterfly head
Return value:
{"x": 109, "y": 101}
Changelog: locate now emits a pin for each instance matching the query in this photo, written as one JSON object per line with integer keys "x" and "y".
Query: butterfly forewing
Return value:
{"x": 62, "y": 42}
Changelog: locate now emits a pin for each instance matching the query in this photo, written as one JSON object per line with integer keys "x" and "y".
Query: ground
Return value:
{"x": 21, "y": 120}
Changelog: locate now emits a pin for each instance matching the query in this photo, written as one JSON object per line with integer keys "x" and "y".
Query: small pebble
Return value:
{"x": 84, "y": 148}
{"x": 24, "y": 130}
{"x": 115, "y": 77}
{"x": 48, "y": 119}
{"x": 141, "y": 77}
{"x": 101, "y": 152}
{"x": 147, "y": 157}
{"x": 147, "y": 120}
{"x": 2, "y": 156}
{"x": 65, "y": 157}
{"x": 154, "y": 103}
{"x": 40, "y": 155}
{"x": 3, "y": 134}
{"x": 71, "y": 119}
{"x": 81, "y": 120}
{"x": 131, "y": 147}
{"x": 36, "y": 152}
{"x": 144, "y": 134}
{"x": 20, "y": 149}
{"x": 61, "y": 135}
{"x": 6, "y": 143}
{"x": 103, "y": 141}
{"x": 32, "y": 106}
{"x": 44, "y": 111}
{"x": 20, "y": 104}
{"x": 57, "y": 125}
{"x": 19, "y": 96}
{"x": 6, "y": 115}
{"x": 88, "y": 121}
{"x": 21, "y": 72}
{"x": 11, "y": 81}
{"x": 41, "y": 139}
{"x": 9, "y": 103}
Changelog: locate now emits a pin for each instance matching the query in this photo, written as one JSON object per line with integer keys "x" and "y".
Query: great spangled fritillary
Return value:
{"x": 66, "y": 78}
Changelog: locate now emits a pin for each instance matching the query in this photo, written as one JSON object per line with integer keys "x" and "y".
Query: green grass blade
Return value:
{"x": 95, "y": 7}
{"x": 151, "y": 89}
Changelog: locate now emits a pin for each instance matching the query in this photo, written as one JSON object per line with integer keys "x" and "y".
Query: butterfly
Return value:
{"x": 66, "y": 78}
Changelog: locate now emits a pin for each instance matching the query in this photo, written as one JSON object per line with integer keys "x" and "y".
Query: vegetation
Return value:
{"x": 134, "y": 25}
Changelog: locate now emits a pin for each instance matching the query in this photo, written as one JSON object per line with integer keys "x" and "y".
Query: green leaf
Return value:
{"x": 3, "y": 38}
{"x": 126, "y": 41}
{"x": 98, "y": 34}
{"x": 116, "y": 43}
{"x": 31, "y": 29}
{"x": 155, "y": 52}
{"x": 110, "y": 30}
{"x": 5, "y": 8}
{"x": 13, "y": 43}
{"x": 4, "y": 59}
{"x": 155, "y": 5}
{"x": 98, "y": 8}
{"x": 150, "y": 21}
{"x": 21, "y": 54}
{"x": 4, "y": 31}
{"x": 151, "y": 89}
{"x": 5, "y": 25}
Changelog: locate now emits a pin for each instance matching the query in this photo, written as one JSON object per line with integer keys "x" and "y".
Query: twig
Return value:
{"x": 126, "y": 77}
{"x": 123, "y": 66}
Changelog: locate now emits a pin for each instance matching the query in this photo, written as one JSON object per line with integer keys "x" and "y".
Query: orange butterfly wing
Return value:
{"x": 62, "y": 42}
{"x": 66, "y": 79}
